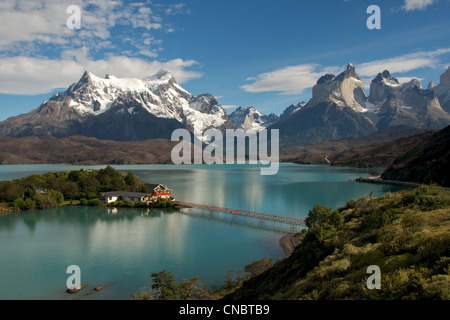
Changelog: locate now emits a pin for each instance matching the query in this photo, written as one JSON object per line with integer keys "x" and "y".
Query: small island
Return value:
{"x": 104, "y": 187}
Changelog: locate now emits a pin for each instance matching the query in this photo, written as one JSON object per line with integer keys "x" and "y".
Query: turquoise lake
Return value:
{"x": 120, "y": 248}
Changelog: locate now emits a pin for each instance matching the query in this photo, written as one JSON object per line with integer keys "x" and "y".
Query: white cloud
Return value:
{"x": 179, "y": 8}
{"x": 408, "y": 79}
{"x": 34, "y": 24}
{"x": 401, "y": 64}
{"x": 27, "y": 76}
{"x": 231, "y": 106}
{"x": 294, "y": 80}
{"x": 289, "y": 80}
{"x": 411, "y": 5}
{"x": 38, "y": 53}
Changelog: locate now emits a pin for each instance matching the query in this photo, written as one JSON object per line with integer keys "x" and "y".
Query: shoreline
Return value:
{"x": 288, "y": 243}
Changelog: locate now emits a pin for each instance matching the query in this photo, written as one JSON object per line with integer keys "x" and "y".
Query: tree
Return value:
{"x": 164, "y": 282}
{"x": 317, "y": 215}
{"x": 323, "y": 215}
{"x": 130, "y": 179}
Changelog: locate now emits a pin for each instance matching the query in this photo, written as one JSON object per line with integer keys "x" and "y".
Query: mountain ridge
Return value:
{"x": 125, "y": 109}
{"x": 340, "y": 108}
{"x": 129, "y": 109}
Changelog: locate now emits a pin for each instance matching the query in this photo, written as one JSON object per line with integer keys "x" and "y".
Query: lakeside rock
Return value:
{"x": 76, "y": 289}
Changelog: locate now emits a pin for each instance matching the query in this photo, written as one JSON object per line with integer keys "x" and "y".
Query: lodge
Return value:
{"x": 157, "y": 191}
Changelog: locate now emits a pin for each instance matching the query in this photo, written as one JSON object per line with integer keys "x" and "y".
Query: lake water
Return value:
{"x": 121, "y": 248}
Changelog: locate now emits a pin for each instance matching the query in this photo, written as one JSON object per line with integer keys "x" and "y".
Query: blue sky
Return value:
{"x": 261, "y": 53}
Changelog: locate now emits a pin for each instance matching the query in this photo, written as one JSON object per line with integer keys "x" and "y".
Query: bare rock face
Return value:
{"x": 445, "y": 77}
{"x": 431, "y": 85}
{"x": 335, "y": 111}
{"x": 340, "y": 108}
{"x": 443, "y": 90}
{"x": 346, "y": 90}
{"x": 382, "y": 86}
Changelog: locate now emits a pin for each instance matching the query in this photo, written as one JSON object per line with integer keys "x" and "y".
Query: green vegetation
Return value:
{"x": 166, "y": 288}
{"x": 57, "y": 188}
{"x": 406, "y": 234}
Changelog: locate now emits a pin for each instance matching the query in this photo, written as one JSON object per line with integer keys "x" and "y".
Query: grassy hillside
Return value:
{"x": 406, "y": 234}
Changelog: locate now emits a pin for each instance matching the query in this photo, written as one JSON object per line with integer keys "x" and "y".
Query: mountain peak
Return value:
{"x": 326, "y": 79}
{"x": 431, "y": 85}
{"x": 251, "y": 118}
{"x": 86, "y": 76}
{"x": 110, "y": 76}
{"x": 385, "y": 78}
{"x": 350, "y": 71}
{"x": 85, "y": 79}
{"x": 414, "y": 83}
{"x": 164, "y": 74}
{"x": 445, "y": 77}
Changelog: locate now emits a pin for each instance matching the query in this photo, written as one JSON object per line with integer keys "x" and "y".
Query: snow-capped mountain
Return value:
{"x": 120, "y": 109}
{"x": 251, "y": 118}
{"x": 128, "y": 109}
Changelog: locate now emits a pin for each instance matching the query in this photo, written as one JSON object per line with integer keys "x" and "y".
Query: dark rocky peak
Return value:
{"x": 205, "y": 103}
{"x": 386, "y": 78}
{"x": 326, "y": 79}
{"x": 85, "y": 80}
{"x": 350, "y": 72}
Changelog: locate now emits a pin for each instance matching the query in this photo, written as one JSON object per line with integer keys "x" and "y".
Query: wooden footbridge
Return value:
{"x": 262, "y": 216}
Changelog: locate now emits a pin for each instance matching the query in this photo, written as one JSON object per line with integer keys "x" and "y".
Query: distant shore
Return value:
{"x": 378, "y": 180}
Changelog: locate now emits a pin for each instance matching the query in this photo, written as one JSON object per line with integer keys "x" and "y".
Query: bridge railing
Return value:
{"x": 245, "y": 213}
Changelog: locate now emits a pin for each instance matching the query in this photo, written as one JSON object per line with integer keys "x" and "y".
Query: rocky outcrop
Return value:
{"x": 443, "y": 90}
{"x": 334, "y": 112}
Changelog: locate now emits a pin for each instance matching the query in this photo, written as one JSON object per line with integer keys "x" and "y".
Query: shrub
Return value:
{"x": 130, "y": 204}
{"x": 18, "y": 204}
{"x": 30, "y": 204}
{"x": 83, "y": 202}
{"x": 119, "y": 203}
{"x": 141, "y": 204}
{"x": 94, "y": 202}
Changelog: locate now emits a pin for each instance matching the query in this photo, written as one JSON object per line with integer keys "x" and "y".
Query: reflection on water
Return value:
{"x": 120, "y": 247}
